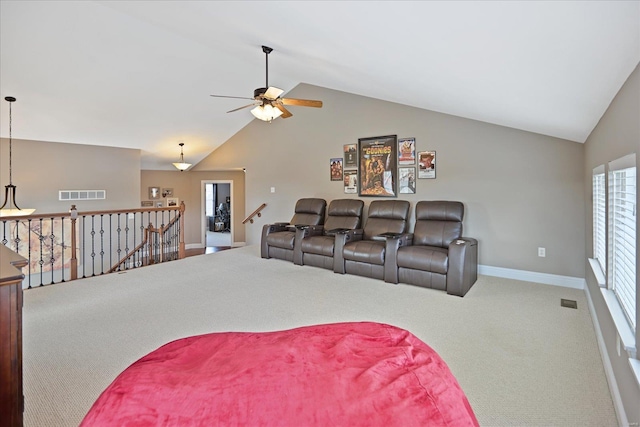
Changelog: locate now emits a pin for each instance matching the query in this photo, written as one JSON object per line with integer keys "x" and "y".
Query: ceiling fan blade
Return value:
{"x": 272, "y": 93}
{"x": 302, "y": 102}
{"x": 285, "y": 113}
{"x": 235, "y": 97}
{"x": 245, "y": 106}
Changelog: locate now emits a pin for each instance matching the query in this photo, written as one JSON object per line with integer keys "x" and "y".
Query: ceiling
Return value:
{"x": 138, "y": 74}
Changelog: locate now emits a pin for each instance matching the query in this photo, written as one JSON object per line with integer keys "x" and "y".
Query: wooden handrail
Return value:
{"x": 109, "y": 212}
{"x": 256, "y": 212}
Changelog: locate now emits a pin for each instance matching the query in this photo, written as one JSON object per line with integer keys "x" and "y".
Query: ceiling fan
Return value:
{"x": 267, "y": 101}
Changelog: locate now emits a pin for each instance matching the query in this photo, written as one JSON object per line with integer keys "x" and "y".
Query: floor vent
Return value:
{"x": 569, "y": 303}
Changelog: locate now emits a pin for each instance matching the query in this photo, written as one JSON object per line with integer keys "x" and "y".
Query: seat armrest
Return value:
{"x": 463, "y": 266}
{"x": 335, "y": 231}
{"x": 342, "y": 237}
{"x": 311, "y": 230}
{"x": 392, "y": 242}
{"x": 351, "y": 235}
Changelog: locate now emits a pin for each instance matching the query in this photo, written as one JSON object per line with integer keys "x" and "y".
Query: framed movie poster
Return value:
{"x": 427, "y": 164}
{"x": 350, "y": 156}
{"x": 407, "y": 178}
{"x": 378, "y": 159}
{"x": 351, "y": 181}
{"x": 336, "y": 169}
{"x": 407, "y": 151}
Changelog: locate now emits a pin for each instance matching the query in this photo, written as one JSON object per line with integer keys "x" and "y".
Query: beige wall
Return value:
{"x": 187, "y": 187}
{"x": 521, "y": 190}
{"x": 41, "y": 169}
{"x": 617, "y": 135}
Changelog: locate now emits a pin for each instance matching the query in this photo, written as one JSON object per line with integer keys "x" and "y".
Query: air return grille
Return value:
{"x": 82, "y": 195}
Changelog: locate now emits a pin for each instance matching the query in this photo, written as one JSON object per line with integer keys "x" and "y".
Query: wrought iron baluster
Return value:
{"x": 126, "y": 242}
{"x": 41, "y": 262}
{"x": 110, "y": 240}
{"x": 101, "y": 244}
{"x": 119, "y": 251}
{"x": 52, "y": 258}
{"x": 93, "y": 245}
{"x": 84, "y": 247}
{"x": 64, "y": 247}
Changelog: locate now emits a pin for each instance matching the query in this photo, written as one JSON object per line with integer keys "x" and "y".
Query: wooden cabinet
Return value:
{"x": 11, "y": 398}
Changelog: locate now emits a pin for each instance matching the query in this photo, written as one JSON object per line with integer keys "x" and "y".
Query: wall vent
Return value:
{"x": 82, "y": 195}
{"x": 569, "y": 303}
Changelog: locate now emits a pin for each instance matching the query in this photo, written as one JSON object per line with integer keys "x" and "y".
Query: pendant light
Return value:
{"x": 181, "y": 165}
{"x": 10, "y": 190}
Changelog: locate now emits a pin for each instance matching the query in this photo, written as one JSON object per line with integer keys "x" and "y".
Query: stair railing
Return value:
{"x": 65, "y": 246}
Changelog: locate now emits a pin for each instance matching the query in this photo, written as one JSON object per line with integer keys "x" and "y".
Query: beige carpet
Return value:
{"x": 521, "y": 358}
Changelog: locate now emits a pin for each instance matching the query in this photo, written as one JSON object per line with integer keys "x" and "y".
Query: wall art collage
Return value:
{"x": 382, "y": 166}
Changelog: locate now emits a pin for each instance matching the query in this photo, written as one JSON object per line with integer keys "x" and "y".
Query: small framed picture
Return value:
{"x": 351, "y": 181}
{"x": 167, "y": 192}
{"x": 427, "y": 164}
{"x": 407, "y": 180}
{"x": 146, "y": 204}
{"x": 350, "y": 156}
{"x": 154, "y": 193}
{"x": 172, "y": 202}
{"x": 407, "y": 151}
{"x": 158, "y": 204}
{"x": 336, "y": 169}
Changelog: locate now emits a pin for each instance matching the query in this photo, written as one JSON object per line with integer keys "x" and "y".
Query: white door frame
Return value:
{"x": 203, "y": 216}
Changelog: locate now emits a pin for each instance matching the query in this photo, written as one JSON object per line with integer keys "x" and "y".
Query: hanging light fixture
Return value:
{"x": 10, "y": 190}
{"x": 181, "y": 165}
{"x": 266, "y": 112}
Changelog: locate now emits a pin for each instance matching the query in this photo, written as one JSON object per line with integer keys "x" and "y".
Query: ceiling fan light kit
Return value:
{"x": 267, "y": 102}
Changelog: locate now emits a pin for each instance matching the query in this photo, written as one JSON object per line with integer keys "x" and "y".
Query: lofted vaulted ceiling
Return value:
{"x": 138, "y": 74}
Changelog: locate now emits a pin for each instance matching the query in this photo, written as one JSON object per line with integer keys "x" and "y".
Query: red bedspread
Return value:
{"x": 344, "y": 374}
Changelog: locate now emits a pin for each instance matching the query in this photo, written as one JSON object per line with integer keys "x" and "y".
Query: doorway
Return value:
{"x": 217, "y": 224}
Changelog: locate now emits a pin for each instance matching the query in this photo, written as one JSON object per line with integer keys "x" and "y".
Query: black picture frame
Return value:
{"x": 378, "y": 166}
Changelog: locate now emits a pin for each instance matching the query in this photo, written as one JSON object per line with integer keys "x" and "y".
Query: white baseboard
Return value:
{"x": 532, "y": 276}
{"x": 606, "y": 362}
{"x": 238, "y": 244}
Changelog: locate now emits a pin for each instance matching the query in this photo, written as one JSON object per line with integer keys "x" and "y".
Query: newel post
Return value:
{"x": 181, "y": 247}
{"x": 74, "y": 257}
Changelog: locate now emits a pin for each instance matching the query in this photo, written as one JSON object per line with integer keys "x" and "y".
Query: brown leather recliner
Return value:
{"x": 364, "y": 250}
{"x": 278, "y": 240}
{"x": 439, "y": 257}
{"x": 318, "y": 245}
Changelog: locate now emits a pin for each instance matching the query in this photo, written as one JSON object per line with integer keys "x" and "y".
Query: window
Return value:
{"x": 622, "y": 234}
{"x": 600, "y": 218}
{"x": 210, "y": 199}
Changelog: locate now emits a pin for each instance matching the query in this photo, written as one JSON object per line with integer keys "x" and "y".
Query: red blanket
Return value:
{"x": 344, "y": 374}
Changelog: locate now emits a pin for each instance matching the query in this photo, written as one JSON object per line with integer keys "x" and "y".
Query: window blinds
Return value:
{"x": 622, "y": 229}
{"x": 599, "y": 218}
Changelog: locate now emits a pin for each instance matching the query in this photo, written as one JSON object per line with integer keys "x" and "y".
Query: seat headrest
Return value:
{"x": 311, "y": 206}
{"x": 345, "y": 207}
{"x": 439, "y": 210}
{"x": 390, "y": 209}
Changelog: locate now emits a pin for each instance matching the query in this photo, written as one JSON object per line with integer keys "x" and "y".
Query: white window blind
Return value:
{"x": 599, "y": 218}
{"x": 622, "y": 229}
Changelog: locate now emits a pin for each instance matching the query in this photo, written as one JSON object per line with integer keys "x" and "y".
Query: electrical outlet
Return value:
{"x": 542, "y": 252}
{"x": 273, "y": 189}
